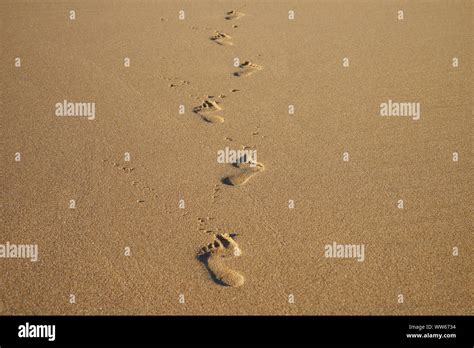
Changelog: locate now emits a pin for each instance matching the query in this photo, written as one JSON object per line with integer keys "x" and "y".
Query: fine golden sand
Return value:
{"x": 172, "y": 230}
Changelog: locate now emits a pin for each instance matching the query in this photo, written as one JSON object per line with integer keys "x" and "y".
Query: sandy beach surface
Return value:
{"x": 172, "y": 230}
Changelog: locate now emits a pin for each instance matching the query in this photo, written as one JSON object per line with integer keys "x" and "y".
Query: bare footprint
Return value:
{"x": 234, "y": 15}
{"x": 247, "y": 171}
{"x": 208, "y": 111}
{"x": 222, "y": 39}
{"x": 214, "y": 254}
{"x": 247, "y": 68}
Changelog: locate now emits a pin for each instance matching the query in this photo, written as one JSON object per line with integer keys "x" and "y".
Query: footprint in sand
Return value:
{"x": 222, "y": 39}
{"x": 207, "y": 110}
{"x": 234, "y": 15}
{"x": 213, "y": 255}
{"x": 247, "y": 171}
{"x": 247, "y": 68}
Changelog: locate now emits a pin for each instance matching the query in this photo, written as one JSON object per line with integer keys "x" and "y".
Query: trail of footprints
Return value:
{"x": 223, "y": 245}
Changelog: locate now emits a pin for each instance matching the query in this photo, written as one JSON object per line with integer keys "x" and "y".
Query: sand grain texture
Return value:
{"x": 136, "y": 204}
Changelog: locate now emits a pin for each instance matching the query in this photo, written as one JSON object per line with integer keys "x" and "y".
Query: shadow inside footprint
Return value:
{"x": 226, "y": 181}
